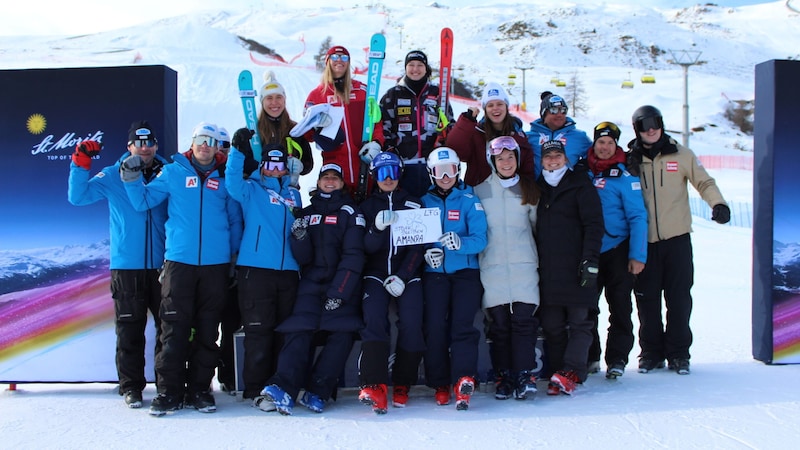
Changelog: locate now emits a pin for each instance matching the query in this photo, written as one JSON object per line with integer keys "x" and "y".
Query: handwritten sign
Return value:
{"x": 417, "y": 226}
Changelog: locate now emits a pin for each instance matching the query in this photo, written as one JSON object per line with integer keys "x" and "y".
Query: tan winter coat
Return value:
{"x": 666, "y": 194}
{"x": 509, "y": 263}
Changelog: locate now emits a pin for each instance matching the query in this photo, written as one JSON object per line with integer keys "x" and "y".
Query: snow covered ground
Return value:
{"x": 728, "y": 401}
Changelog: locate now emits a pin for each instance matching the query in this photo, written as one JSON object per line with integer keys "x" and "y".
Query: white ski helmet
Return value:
{"x": 444, "y": 161}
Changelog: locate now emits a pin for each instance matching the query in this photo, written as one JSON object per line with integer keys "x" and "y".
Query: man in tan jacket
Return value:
{"x": 665, "y": 167}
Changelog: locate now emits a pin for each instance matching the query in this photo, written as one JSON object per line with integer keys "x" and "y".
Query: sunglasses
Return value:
{"x": 497, "y": 145}
{"x": 207, "y": 140}
{"x": 139, "y": 143}
{"x": 439, "y": 172}
{"x": 557, "y": 110}
{"x": 337, "y": 57}
{"x": 384, "y": 173}
{"x": 269, "y": 166}
{"x": 649, "y": 123}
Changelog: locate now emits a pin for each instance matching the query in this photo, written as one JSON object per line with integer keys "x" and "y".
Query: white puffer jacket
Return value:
{"x": 509, "y": 264}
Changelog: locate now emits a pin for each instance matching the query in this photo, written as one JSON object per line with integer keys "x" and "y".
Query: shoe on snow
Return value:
{"x": 566, "y": 381}
{"x": 615, "y": 371}
{"x": 593, "y": 367}
{"x": 312, "y": 401}
{"x": 463, "y": 390}
{"x": 202, "y": 401}
{"x": 503, "y": 385}
{"x": 442, "y": 395}
{"x": 281, "y": 399}
{"x": 679, "y": 365}
{"x": 133, "y": 399}
{"x": 648, "y": 365}
{"x": 375, "y": 396}
{"x": 553, "y": 389}
{"x": 400, "y": 396}
{"x": 526, "y": 386}
{"x": 164, "y": 403}
{"x": 263, "y": 404}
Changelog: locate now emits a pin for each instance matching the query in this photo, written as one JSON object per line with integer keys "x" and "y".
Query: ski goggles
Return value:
{"x": 649, "y": 123}
{"x": 337, "y": 57}
{"x": 557, "y": 110}
{"x": 384, "y": 173}
{"x": 497, "y": 145}
{"x": 139, "y": 143}
{"x": 440, "y": 171}
{"x": 273, "y": 165}
{"x": 207, "y": 140}
{"x": 606, "y": 129}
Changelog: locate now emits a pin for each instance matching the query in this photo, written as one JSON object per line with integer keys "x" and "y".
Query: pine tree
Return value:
{"x": 323, "y": 50}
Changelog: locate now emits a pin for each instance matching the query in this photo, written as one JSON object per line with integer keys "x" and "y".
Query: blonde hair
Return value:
{"x": 328, "y": 81}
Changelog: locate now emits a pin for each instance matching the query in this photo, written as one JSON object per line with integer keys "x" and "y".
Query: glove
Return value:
{"x": 369, "y": 151}
{"x": 332, "y": 303}
{"x": 294, "y": 166}
{"x": 384, "y": 219}
{"x": 300, "y": 228}
{"x": 394, "y": 285}
{"x": 721, "y": 213}
{"x": 450, "y": 241}
{"x": 130, "y": 168}
{"x": 588, "y": 273}
{"x": 241, "y": 140}
{"x": 434, "y": 257}
{"x": 84, "y": 151}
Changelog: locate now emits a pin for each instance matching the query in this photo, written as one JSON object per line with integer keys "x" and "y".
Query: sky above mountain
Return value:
{"x": 53, "y": 17}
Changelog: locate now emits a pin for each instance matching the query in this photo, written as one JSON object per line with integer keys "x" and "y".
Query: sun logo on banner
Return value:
{"x": 36, "y": 123}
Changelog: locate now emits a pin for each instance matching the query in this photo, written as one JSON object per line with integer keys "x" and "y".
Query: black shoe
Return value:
{"x": 593, "y": 367}
{"x": 615, "y": 370}
{"x": 202, "y": 401}
{"x": 504, "y": 387}
{"x": 133, "y": 399}
{"x": 679, "y": 365}
{"x": 164, "y": 403}
{"x": 647, "y": 365}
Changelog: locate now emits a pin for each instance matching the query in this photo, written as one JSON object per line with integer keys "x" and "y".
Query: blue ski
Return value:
{"x": 248, "y": 95}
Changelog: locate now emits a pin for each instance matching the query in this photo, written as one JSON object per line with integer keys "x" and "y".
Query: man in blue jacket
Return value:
{"x": 554, "y": 125}
{"x": 137, "y": 249}
{"x": 203, "y": 230}
{"x": 624, "y": 248}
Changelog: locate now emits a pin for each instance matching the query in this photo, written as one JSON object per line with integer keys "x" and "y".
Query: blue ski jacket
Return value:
{"x": 267, "y": 209}
{"x": 204, "y": 226}
{"x": 137, "y": 237}
{"x": 461, "y": 212}
{"x": 624, "y": 213}
{"x": 575, "y": 141}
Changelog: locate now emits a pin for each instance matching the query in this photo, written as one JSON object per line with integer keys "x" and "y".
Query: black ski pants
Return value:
{"x": 192, "y": 299}
{"x": 134, "y": 292}
{"x": 617, "y": 283}
{"x": 669, "y": 270}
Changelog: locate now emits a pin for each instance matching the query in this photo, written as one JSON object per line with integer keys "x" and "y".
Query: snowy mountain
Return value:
{"x": 598, "y": 46}
{"x": 25, "y": 269}
{"x": 786, "y": 274}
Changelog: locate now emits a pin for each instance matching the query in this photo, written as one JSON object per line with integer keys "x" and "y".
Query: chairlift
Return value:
{"x": 627, "y": 83}
{"x": 560, "y": 83}
{"x": 648, "y": 78}
{"x": 554, "y": 80}
{"x": 511, "y": 82}
{"x": 481, "y": 82}
{"x": 512, "y": 76}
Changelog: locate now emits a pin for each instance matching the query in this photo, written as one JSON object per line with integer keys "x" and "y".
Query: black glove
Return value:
{"x": 588, "y": 273}
{"x": 332, "y": 303}
{"x": 241, "y": 140}
{"x": 721, "y": 213}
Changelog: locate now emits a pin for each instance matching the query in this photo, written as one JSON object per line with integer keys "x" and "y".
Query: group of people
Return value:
{"x": 539, "y": 226}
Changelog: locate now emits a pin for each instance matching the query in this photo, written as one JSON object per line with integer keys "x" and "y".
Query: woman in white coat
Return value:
{"x": 509, "y": 270}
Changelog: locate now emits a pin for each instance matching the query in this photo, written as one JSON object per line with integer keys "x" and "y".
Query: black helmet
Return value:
{"x": 647, "y": 117}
